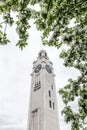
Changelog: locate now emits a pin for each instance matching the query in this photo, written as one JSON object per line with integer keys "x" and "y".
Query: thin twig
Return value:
{"x": 2, "y": 22}
{"x": 4, "y": 32}
{"x": 5, "y": 28}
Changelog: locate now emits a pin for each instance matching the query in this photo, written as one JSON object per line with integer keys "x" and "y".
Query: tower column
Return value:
{"x": 43, "y": 102}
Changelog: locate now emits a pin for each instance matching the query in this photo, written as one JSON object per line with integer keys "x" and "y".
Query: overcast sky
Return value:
{"x": 15, "y": 79}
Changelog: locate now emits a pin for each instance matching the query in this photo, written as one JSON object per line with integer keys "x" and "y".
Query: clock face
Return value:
{"x": 49, "y": 70}
{"x": 38, "y": 68}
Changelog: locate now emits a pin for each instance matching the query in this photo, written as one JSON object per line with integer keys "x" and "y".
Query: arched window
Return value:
{"x": 53, "y": 105}
{"x": 49, "y": 93}
{"x": 50, "y": 104}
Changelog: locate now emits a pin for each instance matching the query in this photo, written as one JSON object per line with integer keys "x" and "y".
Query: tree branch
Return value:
{"x": 5, "y": 29}
{"x": 2, "y": 22}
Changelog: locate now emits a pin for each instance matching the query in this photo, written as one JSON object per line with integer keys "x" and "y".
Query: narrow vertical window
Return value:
{"x": 53, "y": 106}
{"x": 50, "y": 104}
{"x": 52, "y": 87}
{"x": 49, "y": 93}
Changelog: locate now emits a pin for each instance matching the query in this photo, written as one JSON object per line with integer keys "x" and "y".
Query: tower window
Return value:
{"x": 37, "y": 86}
{"x": 49, "y": 93}
{"x": 52, "y": 87}
{"x": 50, "y": 104}
{"x": 36, "y": 110}
{"x": 53, "y": 106}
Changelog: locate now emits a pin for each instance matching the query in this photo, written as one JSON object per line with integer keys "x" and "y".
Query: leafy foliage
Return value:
{"x": 20, "y": 7}
{"x": 53, "y": 19}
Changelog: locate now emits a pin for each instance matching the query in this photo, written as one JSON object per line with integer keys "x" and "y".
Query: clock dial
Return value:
{"x": 38, "y": 68}
{"x": 49, "y": 70}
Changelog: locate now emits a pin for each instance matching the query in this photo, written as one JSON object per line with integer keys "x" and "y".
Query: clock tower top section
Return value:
{"x": 42, "y": 61}
{"x": 42, "y": 54}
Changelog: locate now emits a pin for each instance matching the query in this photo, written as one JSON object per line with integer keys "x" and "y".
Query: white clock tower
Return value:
{"x": 43, "y": 103}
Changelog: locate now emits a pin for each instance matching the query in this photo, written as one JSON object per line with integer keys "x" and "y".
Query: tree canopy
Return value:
{"x": 53, "y": 19}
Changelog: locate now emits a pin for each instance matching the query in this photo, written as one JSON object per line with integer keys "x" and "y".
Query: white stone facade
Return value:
{"x": 43, "y": 103}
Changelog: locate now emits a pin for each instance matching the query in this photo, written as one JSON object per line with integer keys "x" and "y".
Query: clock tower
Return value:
{"x": 43, "y": 103}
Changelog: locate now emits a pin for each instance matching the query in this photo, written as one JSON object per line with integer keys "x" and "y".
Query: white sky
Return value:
{"x": 15, "y": 79}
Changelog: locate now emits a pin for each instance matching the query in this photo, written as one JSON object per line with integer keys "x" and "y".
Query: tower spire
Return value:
{"x": 42, "y": 54}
